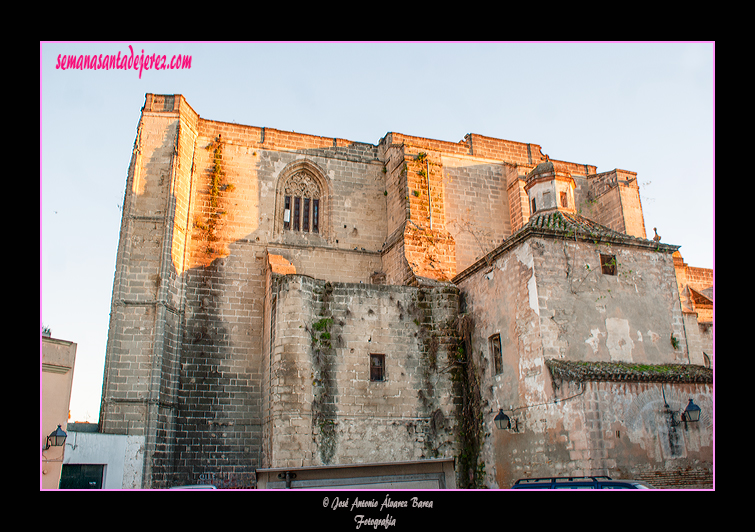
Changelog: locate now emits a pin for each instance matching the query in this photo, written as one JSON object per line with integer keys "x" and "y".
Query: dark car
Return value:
{"x": 579, "y": 483}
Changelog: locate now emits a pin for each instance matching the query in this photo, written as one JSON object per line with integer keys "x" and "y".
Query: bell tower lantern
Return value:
{"x": 550, "y": 187}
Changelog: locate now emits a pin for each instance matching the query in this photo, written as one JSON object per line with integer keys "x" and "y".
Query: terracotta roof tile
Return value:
{"x": 628, "y": 372}
{"x": 576, "y": 225}
{"x": 564, "y": 225}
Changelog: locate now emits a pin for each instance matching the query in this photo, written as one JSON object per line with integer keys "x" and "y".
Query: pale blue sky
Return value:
{"x": 644, "y": 107}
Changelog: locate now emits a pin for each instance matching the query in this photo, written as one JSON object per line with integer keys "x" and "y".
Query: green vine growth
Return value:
{"x": 324, "y": 385}
{"x": 218, "y": 185}
{"x": 471, "y": 427}
{"x": 675, "y": 342}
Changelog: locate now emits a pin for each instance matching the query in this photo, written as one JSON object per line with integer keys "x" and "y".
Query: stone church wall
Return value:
{"x": 205, "y": 349}
{"x": 325, "y": 406}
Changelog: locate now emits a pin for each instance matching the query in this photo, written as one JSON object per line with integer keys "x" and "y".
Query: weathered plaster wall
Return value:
{"x": 588, "y": 315}
{"x": 608, "y": 428}
{"x": 547, "y": 298}
{"x": 323, "y": 408}
{"x": 503, "y": 300}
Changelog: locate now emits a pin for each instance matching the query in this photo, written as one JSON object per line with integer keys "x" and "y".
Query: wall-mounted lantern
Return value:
{"x": 502, "y": 421}
{"x": 57, "y": 438}
{"x": 691, "y": 413}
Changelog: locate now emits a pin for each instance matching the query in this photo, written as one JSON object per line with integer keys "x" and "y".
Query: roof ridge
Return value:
{"x": 573, "y": 223}
{"x": 627, "y": 371}
{"x": 566, "y": 225}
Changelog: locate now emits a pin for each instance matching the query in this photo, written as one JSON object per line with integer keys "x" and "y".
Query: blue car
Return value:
{"x": 579, "y": 483}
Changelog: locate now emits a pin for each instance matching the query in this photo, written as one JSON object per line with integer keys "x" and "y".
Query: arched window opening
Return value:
{"x": 302, "y": 204}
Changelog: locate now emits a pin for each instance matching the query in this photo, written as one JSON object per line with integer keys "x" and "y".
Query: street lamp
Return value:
{"x": 502, "y": 421}
{"x": 691, "y": 413}
{"x": 57, "y": 438}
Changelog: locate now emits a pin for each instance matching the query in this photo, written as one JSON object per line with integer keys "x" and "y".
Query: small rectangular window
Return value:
{"x": 608, "y": 264}
{"x": 534, "y": 207}
{"x": 495, "y": 352}
{"x": 377, "y": 368}
{"x": 315, "y": 216}
{"x": 564, "y": 199}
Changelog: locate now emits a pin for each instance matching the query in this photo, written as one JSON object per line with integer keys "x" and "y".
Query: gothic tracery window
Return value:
{"x": 302, "y": 204}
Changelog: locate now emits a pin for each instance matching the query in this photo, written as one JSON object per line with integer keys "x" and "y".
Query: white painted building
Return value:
{"x": 101, "y": 461}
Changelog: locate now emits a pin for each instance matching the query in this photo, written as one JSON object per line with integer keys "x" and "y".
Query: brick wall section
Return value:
{"x": 696, "y": 313}
{"x": 605, "y": 210}
{"x": 141, "y": 373}
{"x": 477, "y": 207}
{"x": 429, "y": 248}
{"x": 161, "y": 422}
{"x": 682, "y": 478}
{"x": 421, "y": 143}
{"x": 513, "y": 152}
{"x": 475, "y": 145}
{"x": 396, "y": 188}
{"x": 219, "y": 428}
{"x": 275, "y": 139}
{"x": 519, "y": 205}
{"x": 634, "y": 221}
{"x": 395, "y": 265}
{"x": 398, "y": 211}
{"x": 613, "y": 199}
{"x": 343, "y": 266}
{"x": 219, "y": 420}
{"x": 181, "y": 190}
{"x": 700, "y": 279}
{"x": 355, "y": 207}
{"x": 132, "y": 339}
{"x": 429, "y": 254}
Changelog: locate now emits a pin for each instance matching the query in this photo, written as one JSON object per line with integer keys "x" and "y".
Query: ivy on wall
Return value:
{"x": 210, "y": 225}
